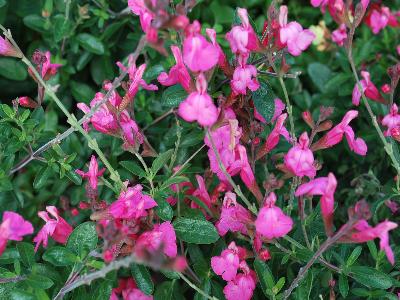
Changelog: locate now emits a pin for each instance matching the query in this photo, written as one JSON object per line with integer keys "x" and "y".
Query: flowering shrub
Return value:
{"x": 162, "y": 149}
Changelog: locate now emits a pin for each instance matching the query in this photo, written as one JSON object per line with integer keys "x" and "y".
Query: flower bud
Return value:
{"x": 385, "y": 88}
{"x": 395, "y": 133}
{"x": 7, "y": 49}
{"x": 307, "y": 117}
{"x": 27, "y": 102}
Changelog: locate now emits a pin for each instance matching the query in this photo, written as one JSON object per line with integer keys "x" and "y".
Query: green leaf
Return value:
{"x": 90, "y": 43}
{"x": 265, "y": 277}
{"x": 36, "y": 22}
{"x": 142, "y": 278}
{"x": 39, "y": 281}
{"x": 8, "y": 111}
{"x": 320, "y": 74}
{"x": 173, "y": 96}
{"x": 163, "y": 209}
{"x": 354, "y": 256}
{"x": 19, "y": 294}
{"x": 41, "y": 177}
{"x": 74, "y": 177}
{"x": 195, "y": 231}
{"x": 9, "y": 255}
{"x": 83, "y": 238}
{"x": 204, "y": 286}
{"x": 371, "y": 277}
{"x": 61, "y": 27}
{"x": 133, "y": 167}
{"x": 164, "y": 291}
{"x": 13, "y": 69}
{"x": 303, "y": 292}
{"x": 223, "y": 14}
{"x": 81, "y": 92}
{"x": 173, "y": 180}
{"x": 264, "y": 100}
{"x": 27, "y": 253}
{"x": 59, "y": 256}
{"x": 161, "y": 161}
{"x": 343, "y": 285}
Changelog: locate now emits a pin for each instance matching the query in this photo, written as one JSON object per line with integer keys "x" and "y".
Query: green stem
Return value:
{"x": 197, "y": 289}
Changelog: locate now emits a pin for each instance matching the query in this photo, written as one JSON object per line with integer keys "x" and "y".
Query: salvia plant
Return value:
{"x": 156, "y": 149}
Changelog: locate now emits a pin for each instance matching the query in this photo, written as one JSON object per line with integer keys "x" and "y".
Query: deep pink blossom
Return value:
{"x": 160, "y": 237}
{"x": 393, "y": 206}
{"x": 364, "y": 233}
{"x": 234, "y": 216}
{"x": 146, "y": 16}
{"x": 242, "y": 286}
{"x": 293, "y": 35}
{"x": 6, "y": 49}
{"x": 199, "y": 106}
{"x": 129, "y": 291}
{"x": 178, "y": 73}
{"x": 199, "y": 55}
{"x": 300, "y": 159}
{"x": 324, "y": 187}
{"x": 244, "y": 78}
{"x": 242, "y": 38}
{"x": 13, "y": 227}
{"x": 279, "y": 108}
{"x": 93, "y": 173}
{"x": 271, "y": 221}
{"x": 222, "y": 61}
{"x": 49, "y": 69}
{"x": 279, "y": 129}
{"x": 130, "y": 130}
{"x": 202, "y": 194}
{"x": 57, "y": 228}
{"x": 226, "y": 265}
{"x": 391, "y": 120}
{"x": 368, "y": 88}
{"x": 340, "y": 35}
{"x": 25, "y": 101}
{"x": 132, "y": 204}
{"x": 378, "y": 18}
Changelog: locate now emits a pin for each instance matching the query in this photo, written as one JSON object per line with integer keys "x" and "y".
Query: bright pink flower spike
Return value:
{"x": 300, "y": 159}
{"x": 227, "y": 264}
{"x": 199, "y": 106}
{"x": 57, "y": 228}
{"x": 391, "y": 120}
{"x": 162, "y": 235}
{"x": 93, "y": 173}
{"x": 234, "y": 216}
{"x": 271, "y": 221}
{"x": 340, "y": 35}
{"x": 178, "y": 73}
{"x": 368, "y": 88}
{"x": 293, "y": 35}
{"x": 131, "y": 204}
{"x": 13, "y": 227}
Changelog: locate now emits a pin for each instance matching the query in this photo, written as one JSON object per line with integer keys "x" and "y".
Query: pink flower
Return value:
{"x": 178, "y": 73}
{"x": 93, "y": 173}
{"x": 242, "y": 38}
{"x": 127, "y": 287}
{"x": 378, "y": 19}
{"x": 244, "y": 77}
{"x": 146, "y": 16}
{"x": 212, "y": 35}
{"x": 198, "y": 54}
{"x": 161, "y": 237}
{"x": 57, "y": 228}
{"x": 325, "y": 187}
{"x": 227, "y": 264}
{"x": 392, "y": 205}
{"x": 300, "y": 159}
{"x": 279, "y": 108}
{"x": 391, "y": 120}
{"x": 242, "y": 286}
{"x": 340, "y": 35}
{"x": 27, "y": 102}
{"x": 49, "y": 69}
{"x": 271, "y": 221}
{"x": 199, "y": 106}
{"x": 398, "y": 49}
{"x": 234, "y": 216}
{"x": 368, "y": 88}
{"x": 335, "y": 135}
{"x": 279, "y": 129}
{"x": 13, "y": 227}
{"x": 130, "y": 130}
{"x": 131, "y": 204}
{"x": 293, "y": 35}
{"x": 6, "y": 49}
{"x": 364, "y": 233}
{"x": 317, "y": 3}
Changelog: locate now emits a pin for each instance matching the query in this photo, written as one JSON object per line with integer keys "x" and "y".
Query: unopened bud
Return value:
{"x": 307, "y": 117}
{"x": 325, "y": 126}
{"x": 27, "y": 102}
{"x": 395, "y": 133}
{"x": 7, "y": 49}
{"x": 385, "y": 88}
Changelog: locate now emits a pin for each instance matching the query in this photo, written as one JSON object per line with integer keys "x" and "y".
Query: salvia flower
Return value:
{"x": 129, "y": 291}
{"x": 49, "y": 69}
{"x": 279, "y": 129}
{"x": 243, "y": 285}
{"x": 378, "y": 18}
{"x": 391, "y": 120}
{"x": 368, "y": 88}
{"x": 324, "y": 187}
{"x": 271, "y": 221}
{"x": 131, "y": 204}
{"x": 199, "y": 106}
{"x": 57, "y": 228}
{"x": 13, "y": 227}
{"x": 27, "y": 102}
{"x": 300, "y": 159}
{"x": 293, "y": 35}
{"x": 93, "y": 173}
{"x": 146, "y": 16}
{"x": 227, "y": 264}
{"x": 6, "y": 49}
{"x": 244, "y": 78}
{"x": 234, "y": 216}
{"x": 222, "y": 61}
{"x": 340, "y": 35}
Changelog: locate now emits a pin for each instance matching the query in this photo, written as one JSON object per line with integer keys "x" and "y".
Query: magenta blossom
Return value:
{"x": 300, "y": 159}
{"x": 244, "y": 78}
{"x": 391, "y": 120}
{"x": 13, "y": 227}
{"x": 57, "y": 228}
{"x": 242, "y": 38}
{"x": 146, "y": 16}
{"x": 178, "y": 73}
{"x": 368, "y": 88}
{"x": 293, "y": 35}
{"x": 279, "y": 129}
{"x": 243, "y": 285}
{"x": 199, "y": 106}
{"x": 234, "y": 216}
{"x": 227, "y": 264}
{"x": 325, "y": 187}
{"x": 379, "y": 19}
{"x": 93, "y": 173}
{"x": 49, "y": 69}
{"x": 364, "y": 233}
{"x": 199, "y": 54}
{"x": 131, "y": 204}
{"x": 130, "y": 131}
{"x": 340, "y": 35}
{"x": 6, "y": 49}
{"x": 212, "y": 35}
{"x": 271, "y": 221}
{"x": 279, "y": 108}
{"x": 161, "y": 237}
